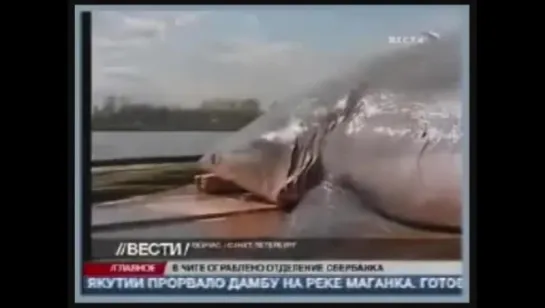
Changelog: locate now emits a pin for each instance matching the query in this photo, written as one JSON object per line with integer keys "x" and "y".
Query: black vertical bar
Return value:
{"x": 70, "y": 134}
{"x": 472, "y": 149}
{"x": 86, "y": 134}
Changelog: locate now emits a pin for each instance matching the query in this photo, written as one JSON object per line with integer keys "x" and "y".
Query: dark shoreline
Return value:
{"x": 144, "y": 160}
{"x": 164, "y": 130}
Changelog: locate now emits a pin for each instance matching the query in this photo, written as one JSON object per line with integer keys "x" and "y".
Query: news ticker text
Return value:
{"x": 278, "y": 267}
{"x": 274, "y": 249}
{"x": 274, "y": 277}
{"x": 224, "y": 285}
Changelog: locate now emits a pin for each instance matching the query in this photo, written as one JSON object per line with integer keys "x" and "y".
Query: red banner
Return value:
{"x": 124, "y": 269}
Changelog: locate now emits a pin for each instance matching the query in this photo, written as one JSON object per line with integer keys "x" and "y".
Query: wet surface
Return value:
{"x": 239, "y": 226}
{"x": 172, "y": 206}
{"x": 325, "y": 213}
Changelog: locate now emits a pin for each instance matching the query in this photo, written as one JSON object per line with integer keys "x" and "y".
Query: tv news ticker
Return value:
{"x": 274, "y": 277}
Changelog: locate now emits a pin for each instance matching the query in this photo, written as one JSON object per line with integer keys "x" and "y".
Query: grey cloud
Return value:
{"x": 189, "y": 18}
{"x": 257, "y": 53}
{"x": 136, "y": 27}
{"x": 190, "y": 71}
{"x": 124, "y": 72}
{"x": 127, "y": 31}
{"x": 119, "y": 42}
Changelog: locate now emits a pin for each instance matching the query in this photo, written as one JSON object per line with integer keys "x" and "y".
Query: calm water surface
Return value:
{"x": 112, "y": 145}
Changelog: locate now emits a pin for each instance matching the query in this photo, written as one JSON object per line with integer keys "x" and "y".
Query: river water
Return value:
{"x": 113, "y": 145}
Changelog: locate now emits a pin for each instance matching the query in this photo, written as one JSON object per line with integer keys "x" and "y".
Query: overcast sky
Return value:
{"x": 182, "y": 57}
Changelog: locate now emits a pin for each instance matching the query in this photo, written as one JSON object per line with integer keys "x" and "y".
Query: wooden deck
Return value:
{"x": 156, "y": 201}
{"x": 120, "y": 182}
{"x": 177, "y": 205}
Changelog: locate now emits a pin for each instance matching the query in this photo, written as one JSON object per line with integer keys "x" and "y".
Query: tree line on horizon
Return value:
{"x": 120, "y": 114}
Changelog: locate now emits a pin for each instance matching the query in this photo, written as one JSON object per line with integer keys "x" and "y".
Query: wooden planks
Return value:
{"x": 119, "y": 182}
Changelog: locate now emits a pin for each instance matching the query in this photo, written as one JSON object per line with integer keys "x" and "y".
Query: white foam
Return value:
{"x": 391, "y": 132}
{"x": 286, "y": 134}
{"x": 341, "y": 104}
